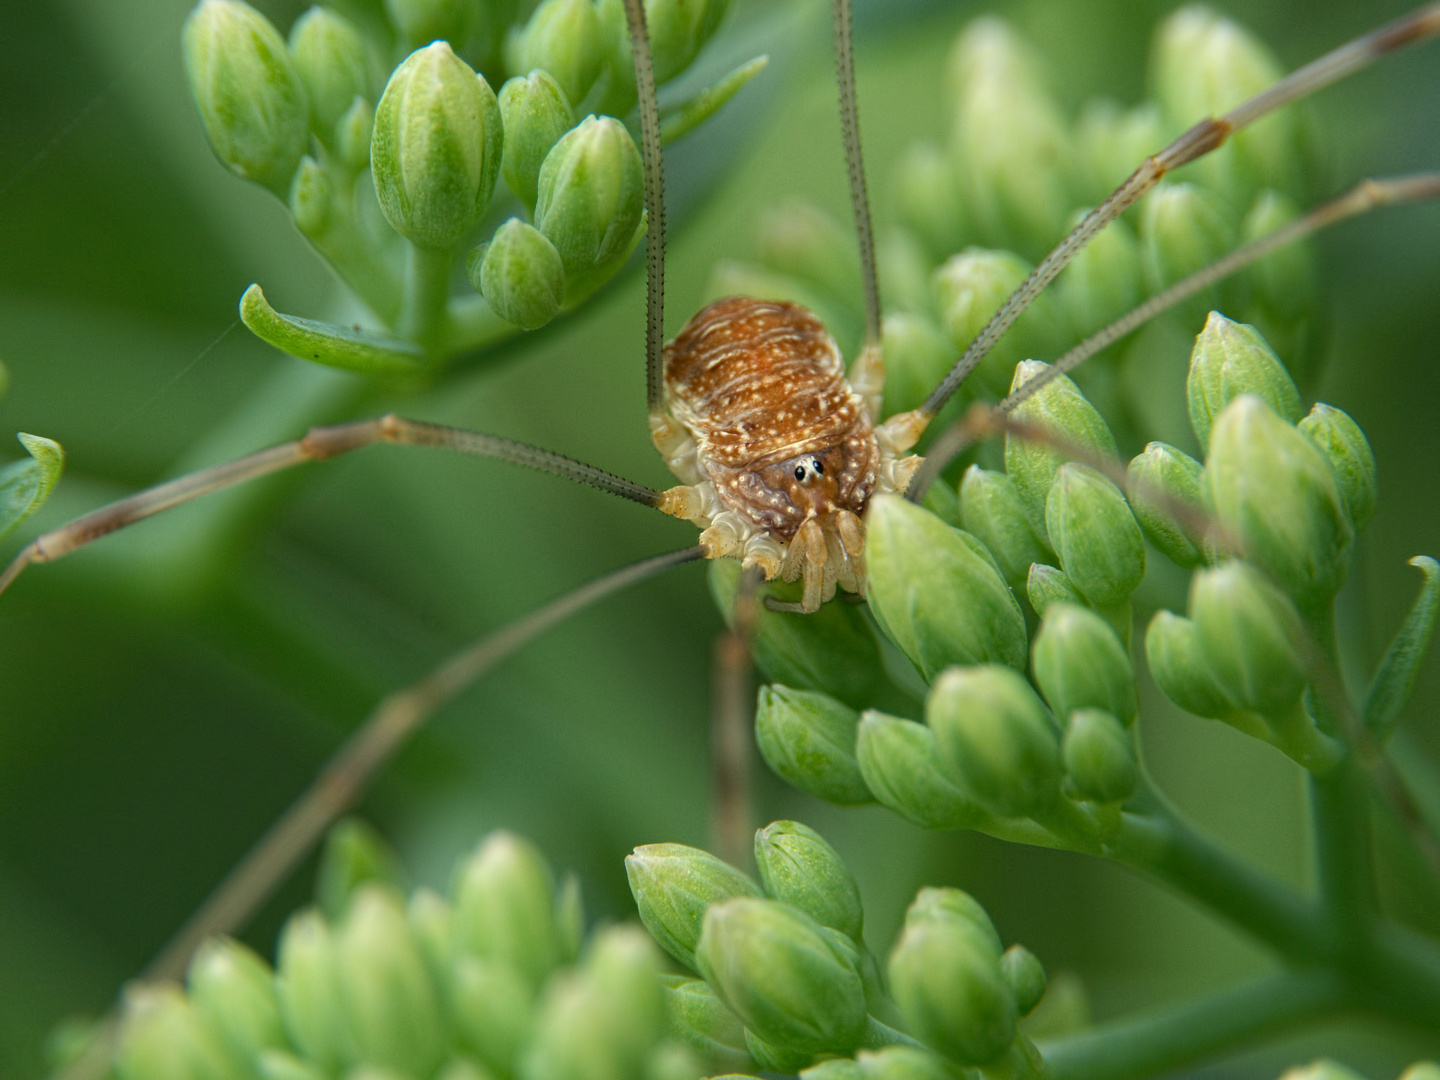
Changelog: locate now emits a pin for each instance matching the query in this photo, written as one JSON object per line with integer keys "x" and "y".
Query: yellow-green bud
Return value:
{"x": 1250, "y": 635}
{"x": 1182, "y": 229}
{"x": 1325, "y": 1069}
{"x": 674, "y": 885}
{"x": 901, "y": 764}
{"x": 352, "y": 135}
{"x": 1047, "y": 585}
{"x": 492, "y": 1010}
{"x": 1099, "y": 757}
{"x": 504, "y": 897}
{"x": 419, "y": 22}
{"x": 1230, "y": 359}
{"x": 673, "y": 1060}
{"x": 797, "y": 866}
{"x": 937, "y": 593}
{"x": 930, "y": 198}
{"x": 1351, "y": 458}
{"x": 333, "y": 64}
{"x": 307, "y": 984}
{"x": 164, "y": 1037}
{"x": 1160, "y": 480}
{"x": 1177, "y": 662}
{"x": 1096, "y": 536}
{"x": 590, "y": 200}
{"x": 958, "y": 907}
{"x": 535, "y": 114}
{"x": 1079, "y": 662}
{"x": 429, "y": 917}
{"x": 1102, "y": 282}
{"x": 1111, "y": 141}
{"x": 392, "y": 1007}
{"x": 570, "y": 917}
{"x": 997, "y": 737}
{"x": 250, "y": 98}
{"x": 1059, "y": 408}
{"x": 902, "y": 1063}
{"x": 1422, "y": 1070}
{"x": 808, "y": 738}
{"x": 834, "y": 1069}
{"x": 311, "y": 196}
{"x": 235, "y": 991}
{"x": 917, "y": 356}
{"x": 1274, "y": 491}
{"x": 991, "y": 510}
{"x": 782, "y": 975}
{"x": 564, "y": 37}
{"x": 802, "y": 240}
{"x": 436, "y": 148}
{"x": 1026, "y": 976}
{"x": 283, "y": 1065}
{"x": 699, "y": 1018}
{"x": 678, "y": 29}
{"x": 1284, "y": 280}
{"x": 354, "y": 854}
{"x": 520, "y": 275}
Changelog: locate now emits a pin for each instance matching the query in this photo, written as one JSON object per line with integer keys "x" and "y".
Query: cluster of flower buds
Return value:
{"x": 494, "y": 981}
{"x": 785, "y": 977}
{"x": 365, "y": 161}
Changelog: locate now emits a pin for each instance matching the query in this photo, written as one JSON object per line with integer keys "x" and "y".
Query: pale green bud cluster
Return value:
{"x": 489, "y": 983}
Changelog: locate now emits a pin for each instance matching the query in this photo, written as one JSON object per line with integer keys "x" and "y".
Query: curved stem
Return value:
{"x": 1162, "y": 1040}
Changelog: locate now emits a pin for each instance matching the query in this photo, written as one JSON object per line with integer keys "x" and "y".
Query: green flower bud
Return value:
{"x": 235, "y": 991}
{"x": 1284, "y": 280}
{"x": 951, "y": 991}
{"x": 1177, "y": 661}
{"x": 1111, "y": 140}
{"x": 917, "y": 356}
{"x": 391, "y": 1004}
{"x": 565, "y": 38}
{"x": 779, "y": 972}
{"x": 520, "y": 275}
{"x": 799, "y": 867}
{"x": 307, "y": 984}
{"x": 334, "y": 66}
{"x": 1231, "y": 359}
{"x": 1324, "y": 1069}
{"x": 437, "y": 147}
{"x": 429, "y": 917}
{"x": 678, "y": 29}
{"x": 1351, "y": 458}
{"x": 492, "y": 1010}
{"x": 901, "y": 764}
{"x": 1099, "y": 757}
{"x": 311, "y": 197}
{"x": 461, "y": 1068}
{"x": 1060, "y": 408}
{"x": 704, "y": 1023}
{"x": 622, "y": 971}
{"x": 673, "y": 1060}
{"x": 1250, "y": 636}
{"x": 991, "y": 510}
{"x": 535, "y": 114}
{"x": 1159, "y": 479}
{"x": 352, "y": 135}
{"x": 164, "y": 1037}
{"x": 770, "y": 1058}
{"x": 996, "y": 735}
{"x": 419, "y": 22}
{"x": 1182, "y": 229}
{"x": 250, "y": 98}
{"x": 936, "y": 591}
{"x": 1079, "y": 662}
{"x": 808, "y": 739}
{"x": 930, "y": 198}
{"x": 583, "y": 1032}
{"x": 590, "y": 201}
{"x": 799, "y": 239}
{"x": 282, "y": 1065}
{"x": 1422, "y": 1070}
{"x": 1274, "y": 492}
{"x": 1103, "y": 281}
{"x": 1096, "y": 536}
{"x": 673, "y": 885}
{"x": 970, "y": 287}
{"x": 834, "y": 1069}
{"x": 955, "y": 906}
{"x": 902, "y": 1063}
{"x": 1047, "y": 585}
{"x": 1009, "y": 139}
{"x": 354, "y": 854}
{"x": 1026, "y": 976}
{"x": 503, "y": 900}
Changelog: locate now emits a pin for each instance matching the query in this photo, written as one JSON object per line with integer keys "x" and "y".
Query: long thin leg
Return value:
{"x": 730, "y": 728}
{"x": 855, "y": 165}
{"x": 1204, "y": 137}
{"x": 1363, "y": 197}
{"x": 654, "y": 204}
{"x": 320, "y": 443}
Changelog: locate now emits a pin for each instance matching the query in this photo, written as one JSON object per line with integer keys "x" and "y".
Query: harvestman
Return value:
{"x": 777, "y": 450}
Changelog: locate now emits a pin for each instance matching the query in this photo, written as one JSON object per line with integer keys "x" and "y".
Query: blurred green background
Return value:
{"x": 166, "y": 693}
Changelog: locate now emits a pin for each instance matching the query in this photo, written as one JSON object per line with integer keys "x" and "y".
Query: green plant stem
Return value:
{"x": 1340, "y": 812}
{"x": 427, "y": 292}
{"x": 1162, "y": 1040}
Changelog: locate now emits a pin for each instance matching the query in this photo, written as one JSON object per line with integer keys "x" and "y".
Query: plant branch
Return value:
{"x": 427, "y": 292}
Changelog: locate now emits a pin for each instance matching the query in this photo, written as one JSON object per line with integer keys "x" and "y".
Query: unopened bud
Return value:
{"x": 770, "y": 1058}
{"x": 419, "y": 22}
{"x": 996, "y": 735}
{"x": 902, "y": 1063}
{"x": 901, "y": 764}
{"x": 802, "y": 240}
{"x": 354, "y": 854}
{"x": 1096, "y": 536}
{"x": 492, "y": 1010}
{"x": 333, "y": 64}
{"x": 1177, "y": 662}
{"x": 1182, "y": 229}
{"x": 1284, "y": 280}
{"x": 307, "y": 984}
{"x": 623, "y": 966}
{"x": 437, "y": 147}
{"x": 1103, "y": 281}
{"x": 1111, "y": 140}
{"x": 520, "y": 275}
{"x": 1231, "y": 359}
{"x": 429, "y": 917}
{"x": 535, "y": 114}
{"x": 678, "y": 29}
{"x": 834, "y": 1069}
{"x": 1099, "y": 756}
{"x": 673, "y": 1060}
{"x": 1250, "y": 634}
{"x": 1322, "y": 1069}
{"x": 1162, "y": 481}
{"x": 1026, "y": 976}
{"x": 504, "y": 898}
{"x": 782, "y": 975}
{"x": 311, "y": 197}
{"x": 917, "y": 356}
{"x": 937, "y": 592}
{"x": 992, "y": 511}
{"x": 930, "y": 198}
{"x": 250, "y": 98}
{"x": 352, "y": 135}
{"x": 799, "y": 867}
{"x": 673, "y": 885}
{"x": 808, "y": 738}
{"x": 283, "y": 1065}
{"x": 1048, "y": 585}
{"x": 1079, "y": 662}
{"x": 1351, "y": 458}
{"x": 164, "y": 1037}
{"x": 235, "y": 991}
{"x": 706, "y": 1024}
{"x": 958, "y": 907}
{"x": 564, "y": 37}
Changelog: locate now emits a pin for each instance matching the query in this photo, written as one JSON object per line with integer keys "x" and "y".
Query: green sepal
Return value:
{"x": 1395, "y": 678}
{"x": 1093, "y": 530}
{"x": 684, "y": 117}
{"x": 1026, "y": 976}
{"x": 900, "y": 762}
{"x": 367, "y": 352}
{"x": 25, "y": 485}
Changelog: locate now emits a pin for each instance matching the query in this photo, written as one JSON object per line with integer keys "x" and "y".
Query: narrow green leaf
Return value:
{"x": 694, "y": 111}
{"x": 346, "y": 347}
{"x": 25, "y": 485}
{"x": 1396, "y": 675}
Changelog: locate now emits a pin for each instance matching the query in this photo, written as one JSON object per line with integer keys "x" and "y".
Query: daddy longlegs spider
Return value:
{"x": 777, "y": 473}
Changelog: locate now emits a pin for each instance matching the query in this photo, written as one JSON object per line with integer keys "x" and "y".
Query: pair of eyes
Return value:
{"x": 807, "y": 469}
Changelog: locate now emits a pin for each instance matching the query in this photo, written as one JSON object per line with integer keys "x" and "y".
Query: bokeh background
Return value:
{"x": 166, "y": 693}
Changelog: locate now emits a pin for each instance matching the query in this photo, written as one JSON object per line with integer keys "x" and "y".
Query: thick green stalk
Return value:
{"x": 427, "y": 292}
{"x": 1163, "y": 1040}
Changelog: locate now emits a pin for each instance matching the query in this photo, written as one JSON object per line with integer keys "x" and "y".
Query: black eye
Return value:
{"x": 800, "y": 472}
{"x": 819, "y": 468}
